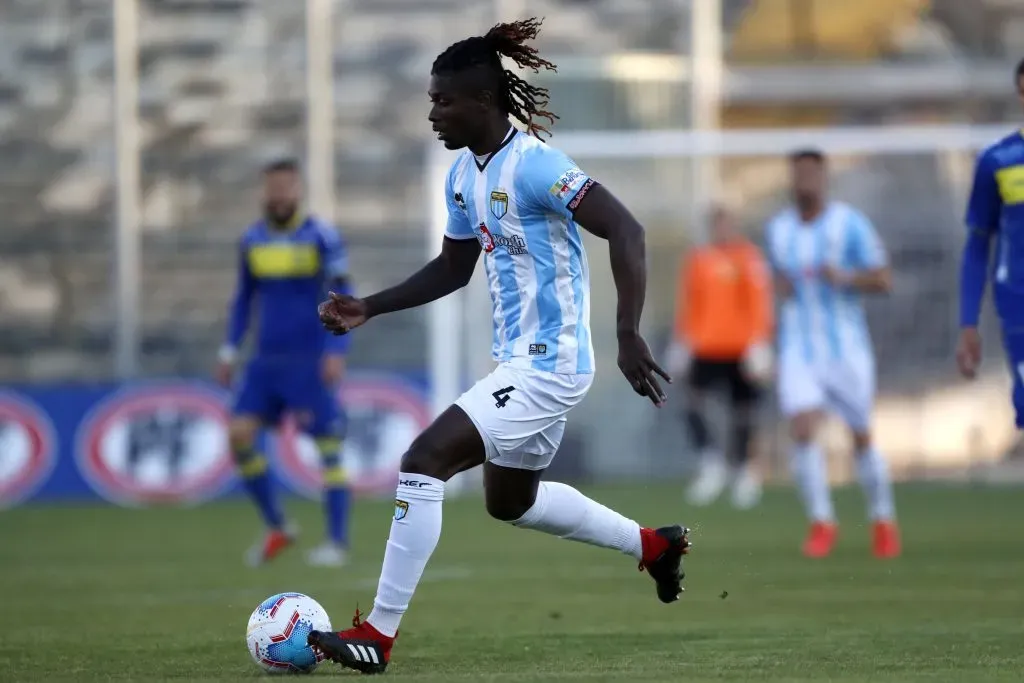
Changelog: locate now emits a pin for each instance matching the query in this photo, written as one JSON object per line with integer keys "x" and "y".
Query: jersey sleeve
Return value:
{"x": 984, "y": 206}
{"x": 241, "y": 303}
{"x": 333, "y": 253}
{"x": 458, "y": 227}
{"x": 553, "y": 183}
{"x": 867, "y": 250}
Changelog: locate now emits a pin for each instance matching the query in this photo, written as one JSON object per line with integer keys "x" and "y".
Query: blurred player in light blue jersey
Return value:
{"x": 826, "y": 255}
{"x": 996, "y": 210}
{"x": 287, "y": 261}
{"x": 521, "y": 204}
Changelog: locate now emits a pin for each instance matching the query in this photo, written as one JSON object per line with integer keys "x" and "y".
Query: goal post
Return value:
{"x": 911, "y": 179}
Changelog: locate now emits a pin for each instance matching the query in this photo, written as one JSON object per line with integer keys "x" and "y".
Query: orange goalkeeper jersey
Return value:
{"x": 723, "y": 300}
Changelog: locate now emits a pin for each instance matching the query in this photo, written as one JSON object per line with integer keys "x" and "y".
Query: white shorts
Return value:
{"x": 845, "y": 387}
{"x": 520, "y": 413}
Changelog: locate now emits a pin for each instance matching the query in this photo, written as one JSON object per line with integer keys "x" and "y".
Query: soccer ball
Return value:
{"x": 277, "y": 631}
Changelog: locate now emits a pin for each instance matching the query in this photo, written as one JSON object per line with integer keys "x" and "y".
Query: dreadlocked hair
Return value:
{"x": 517, "y": 97}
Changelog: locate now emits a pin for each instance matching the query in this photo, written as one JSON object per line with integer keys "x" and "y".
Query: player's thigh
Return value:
{"x": 509, "y": 491}
{"x": 1013, "y": 344}
{"x": 451, "y": 444}
{"x": 253, "y": 405}
{"x": 314, "y": 404}
{"x": 850, "y": 389}
{"x": 744, "y": 394}
{"x": 799, "y": 386}
{"x": 520, "y": 413}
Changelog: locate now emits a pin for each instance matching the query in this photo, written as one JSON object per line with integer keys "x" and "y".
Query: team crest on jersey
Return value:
{"x": 499, "y": 204}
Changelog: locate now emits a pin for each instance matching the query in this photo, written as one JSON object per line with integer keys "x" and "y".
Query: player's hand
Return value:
{"x": 637, "y": 364}
{"x": 224, "y": 373}
{"x": 342, "y": 313}
{"x": 835, "y": 277}
{"x": 968, "y": 352}
{"x": 332, "y": 369}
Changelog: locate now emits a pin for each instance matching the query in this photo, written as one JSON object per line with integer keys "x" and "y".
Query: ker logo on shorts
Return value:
{"x": 401, "y": 509}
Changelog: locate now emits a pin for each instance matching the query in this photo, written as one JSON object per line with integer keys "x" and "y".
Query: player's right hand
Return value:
{"x": 342, "y": 313}
{"x": 224, "y": 372}
{"x": 968, "y": 352}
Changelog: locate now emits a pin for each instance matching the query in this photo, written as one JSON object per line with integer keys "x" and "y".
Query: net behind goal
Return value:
{"x": 911, "y": 181}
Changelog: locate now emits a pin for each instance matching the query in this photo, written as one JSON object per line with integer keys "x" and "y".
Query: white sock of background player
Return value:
{"x": 810, "y": 473}
{"x": 873, "y": 472}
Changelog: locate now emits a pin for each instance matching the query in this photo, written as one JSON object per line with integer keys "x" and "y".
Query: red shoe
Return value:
{"x": 273, "y": 544}
{"x": 361, "y": 647}
{"x": 886, "y": 540}
{"x": 663, "y": 551}
{"x": 820, "y": 539}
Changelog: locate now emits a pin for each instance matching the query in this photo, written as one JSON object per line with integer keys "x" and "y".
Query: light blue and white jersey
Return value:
{"x": 822, "y": 323}
{"x": 519, "y": 205}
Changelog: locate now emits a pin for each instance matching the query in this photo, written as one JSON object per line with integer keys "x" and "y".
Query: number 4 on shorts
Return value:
{"x": 501, "y": 396}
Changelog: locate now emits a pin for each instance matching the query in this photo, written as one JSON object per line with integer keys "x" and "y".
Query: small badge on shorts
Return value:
{"x": 401, "y": 509}
{"x": 538, "y": 349}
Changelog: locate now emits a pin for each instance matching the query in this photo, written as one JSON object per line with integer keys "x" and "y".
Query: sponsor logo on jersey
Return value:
{"x": 575, "y": 203}
{"x": 384, "y": 413}
{"x": 27, "y": 449}
{"x": 157, "y": 443}
{"x": 499, "y": 203}
{"x": 459, "y": 201}
{"x": 570, "y": 181}
{"x": 513, "y": 244}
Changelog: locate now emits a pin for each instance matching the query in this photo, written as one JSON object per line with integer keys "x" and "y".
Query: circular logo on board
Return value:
{"x": 27, "y": 449}
{"x": 164, "y": 443}
{"x": 384, "y": 414}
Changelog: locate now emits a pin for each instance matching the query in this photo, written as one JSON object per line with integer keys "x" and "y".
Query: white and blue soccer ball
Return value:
{"x": 277, "y": 632}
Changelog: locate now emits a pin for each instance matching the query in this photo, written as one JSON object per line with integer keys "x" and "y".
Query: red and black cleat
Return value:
{"x": 361, "y": 647}
{"x": 663, "y": 551}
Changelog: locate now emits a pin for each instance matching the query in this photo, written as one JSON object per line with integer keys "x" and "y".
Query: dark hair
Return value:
{"x": 288, "y": 165}
{"x": 810, "y": 153}
{"x": 515, "y": 96}
{"x": 1020, "y": 72}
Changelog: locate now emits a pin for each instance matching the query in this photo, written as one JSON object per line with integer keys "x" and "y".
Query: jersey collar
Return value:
{"x": 504, "y": 143}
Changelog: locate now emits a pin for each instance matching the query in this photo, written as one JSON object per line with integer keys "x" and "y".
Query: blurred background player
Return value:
{"x": 826, "y": 255}
{"x": 723, "y": 323}
{"x": 996, "y": 209}
{"x": 287, "y": 261}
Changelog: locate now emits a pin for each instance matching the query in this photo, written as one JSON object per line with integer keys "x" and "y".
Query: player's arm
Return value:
{"x": 450, "y": 271}
{"x": 757, "y": 359}
{"x": 240, "y": 307}
{"x": 871, "y": 273}
{"x": 600, "y": 213}
{"x": 334, "y": 257}
{"x": 984, "y": 208}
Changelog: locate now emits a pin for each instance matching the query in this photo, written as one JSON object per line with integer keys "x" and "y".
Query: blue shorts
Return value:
{"x": 271, "y": 387}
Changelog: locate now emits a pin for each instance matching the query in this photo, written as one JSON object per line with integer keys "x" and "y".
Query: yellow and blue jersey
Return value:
{"x": 284, "y": 274}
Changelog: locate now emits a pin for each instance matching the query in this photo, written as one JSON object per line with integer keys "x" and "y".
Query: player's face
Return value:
{"x": 808, "y": 180}
{"x": 723, "y": 227}
{"x": 281, "y": 195}
{"x": 456, "y": 114}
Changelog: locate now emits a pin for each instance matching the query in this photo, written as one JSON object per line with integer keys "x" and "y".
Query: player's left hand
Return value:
{"x": 332, "y": 369}
{"x": 637, "y": 364}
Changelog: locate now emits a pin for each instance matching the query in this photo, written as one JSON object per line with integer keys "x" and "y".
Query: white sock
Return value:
{"x": 873, "y": 473}
{"x": 414, "y": 535}
{"x": 563, "y": 511}
{"x": 811, "y": 476}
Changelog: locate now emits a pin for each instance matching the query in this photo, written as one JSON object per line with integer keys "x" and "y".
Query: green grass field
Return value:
{"x": 98, "y": 594}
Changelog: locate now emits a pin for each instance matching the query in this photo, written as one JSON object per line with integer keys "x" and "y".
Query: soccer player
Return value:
{"x": 724, "y": 314}
{"x": 996, "y": 209}
{"x": 827, "y": 255}
{"x": 521, "y": 203}
{"x": 287, "y": 261}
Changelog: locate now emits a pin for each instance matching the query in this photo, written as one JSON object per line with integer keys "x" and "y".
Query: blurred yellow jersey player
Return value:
{"x": 722, "y": 327}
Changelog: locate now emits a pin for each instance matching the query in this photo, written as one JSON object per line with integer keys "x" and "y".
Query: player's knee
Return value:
{"x": 861, "y": 441}
{"x": 802, "y": 427}
{"x": 506, "y": 508}
{"x": 242, "y": 436}
{"x": 426, "y": 457}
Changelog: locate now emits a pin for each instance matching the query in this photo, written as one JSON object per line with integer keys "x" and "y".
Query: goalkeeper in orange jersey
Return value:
{"x": 724, "y": 316}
